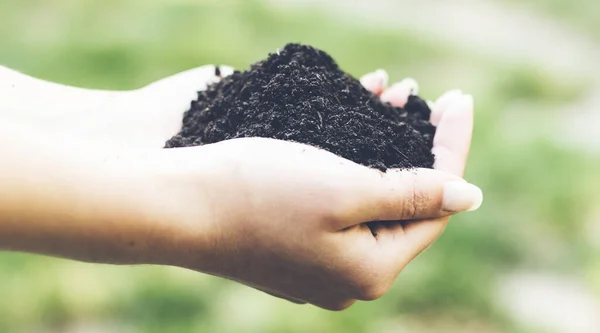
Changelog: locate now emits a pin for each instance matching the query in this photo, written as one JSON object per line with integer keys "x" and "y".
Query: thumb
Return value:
{"x": 409, "y": 195}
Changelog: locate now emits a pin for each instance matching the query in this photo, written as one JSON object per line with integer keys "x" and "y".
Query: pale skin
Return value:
{"x": 82, "y": 178}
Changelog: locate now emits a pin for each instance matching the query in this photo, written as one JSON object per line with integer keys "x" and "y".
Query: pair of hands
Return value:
{"x": 284, "y": 218}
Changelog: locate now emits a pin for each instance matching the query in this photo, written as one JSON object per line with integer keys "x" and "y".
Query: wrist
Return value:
{"x": 178, "y": 225}
{"x": 61, "y": 203}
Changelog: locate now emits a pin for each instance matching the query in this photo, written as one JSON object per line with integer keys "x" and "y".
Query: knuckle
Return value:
{"x": 339, "y": 305}
{"x": 372, "y": 292}
{"x": 369, "y": 284}
{"x": 331, "y": 212}
{"x": 336, "y": 210}
{"x": 406, "y": 199}
{"x": 412, "y": 200}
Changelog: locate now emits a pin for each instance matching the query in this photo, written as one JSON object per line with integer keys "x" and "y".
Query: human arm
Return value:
{"x": 283, "y": 218}
{"x": 64, "y": 202}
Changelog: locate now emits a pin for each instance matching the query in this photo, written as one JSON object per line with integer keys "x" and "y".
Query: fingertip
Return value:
{"x": 430, "y": 104}
{"x": 448, "y": 96}
{"x": 460, "y": 111}
{"x": 412, "y": 85}
{"x": 452, "y": 140}
{"x": 397, "y": 95}
{"x": 468, "y": 102}
{"x": 442, "y": 104}
{"x": 376, "y": 81}
{"x": 384, "y": 77}
{"x": 461, "y": 197}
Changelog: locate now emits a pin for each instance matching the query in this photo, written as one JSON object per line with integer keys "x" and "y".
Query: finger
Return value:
{"x": 441, "y": 105}
{"x": 451, "y": 147}
{"x": 397, "y": 94}
{"x": 406, "y": 195}
{"x": 452, "y": 140}
{"x": 375, "y": 82}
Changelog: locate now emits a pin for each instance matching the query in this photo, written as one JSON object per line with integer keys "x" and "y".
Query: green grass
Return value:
{"x": 536, "y": 193}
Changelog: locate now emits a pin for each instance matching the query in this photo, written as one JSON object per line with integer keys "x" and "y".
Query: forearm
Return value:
{"x": 59, "y": 203}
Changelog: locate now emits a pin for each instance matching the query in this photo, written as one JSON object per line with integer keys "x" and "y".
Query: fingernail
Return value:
{"x": 468, "y": 101}
{"x": 444, "y": 101}
{"x": 431, "y": 105}
{"x": 449, "y": 94}
{"x": 376, "y": 81}
{"x": 382, "y": 76}
{"x": 398, "y": 93}
{"x": 461, "y": 197}
{"x": 409, "y": 83}
{"x": 461, "y": 103}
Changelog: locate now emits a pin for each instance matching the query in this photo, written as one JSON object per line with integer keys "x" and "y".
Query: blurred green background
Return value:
{"x": 528, "y": 261}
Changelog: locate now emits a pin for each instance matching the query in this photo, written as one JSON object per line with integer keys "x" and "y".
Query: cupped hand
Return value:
{"x": 284, "y": 218}
{"x": 308, "y": 226}
{"x": 301, "y": 223}
{"x": 290, "y": 219}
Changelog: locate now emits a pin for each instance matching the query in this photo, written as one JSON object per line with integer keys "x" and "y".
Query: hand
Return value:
{"x": 452, "y": 114}
{"x": 104, "y": 121}
{"x": 304, "y": 241}
{"x": 289, "y": 219}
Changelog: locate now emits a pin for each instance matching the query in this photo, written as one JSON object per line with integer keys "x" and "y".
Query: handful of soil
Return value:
{"x": 300, "y": 94}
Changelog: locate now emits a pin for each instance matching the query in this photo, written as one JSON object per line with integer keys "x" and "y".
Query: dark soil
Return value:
{"x": 300, "y": 94}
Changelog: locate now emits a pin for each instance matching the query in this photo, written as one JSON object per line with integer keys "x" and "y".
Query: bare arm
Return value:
{"x": 281, "y": 217}
{"x": 63, "y": 203}
{"x": 58, "y": 196}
